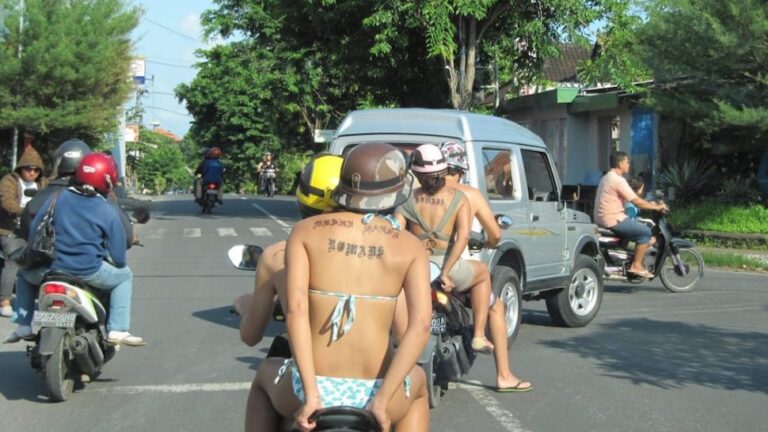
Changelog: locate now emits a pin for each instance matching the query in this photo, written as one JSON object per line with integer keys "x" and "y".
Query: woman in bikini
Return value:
{"x": 440, "y": 216}
{"x": 345, "y": 271}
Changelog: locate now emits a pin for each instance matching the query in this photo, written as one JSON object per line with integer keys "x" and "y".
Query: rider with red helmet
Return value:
{"x": 212, "y": 170}
{"x": 90, "y": 240}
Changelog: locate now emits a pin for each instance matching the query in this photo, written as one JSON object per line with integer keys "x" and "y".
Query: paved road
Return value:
{"x": 650, "y": 361}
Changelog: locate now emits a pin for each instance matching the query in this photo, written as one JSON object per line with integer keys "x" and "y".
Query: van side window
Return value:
{"x": 498, "y": 174}
{"x": 538, "y": 175}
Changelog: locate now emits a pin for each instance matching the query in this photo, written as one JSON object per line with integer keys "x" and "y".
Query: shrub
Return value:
{"x": 290, "y": 164}
{"x": 739, "y": 191}
{"x": 713, "y": 215}
{"x": 690, "y": 179}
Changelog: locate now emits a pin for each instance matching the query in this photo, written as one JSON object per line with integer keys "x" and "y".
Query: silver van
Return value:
{"x": 549, "y": 252}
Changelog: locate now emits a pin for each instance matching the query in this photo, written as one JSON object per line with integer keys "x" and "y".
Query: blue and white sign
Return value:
{"x": 138, "y": 69}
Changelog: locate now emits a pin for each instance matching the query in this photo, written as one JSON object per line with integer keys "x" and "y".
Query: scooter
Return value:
{"x": 331, "y": 419}
{"x": 210, "y": 197}
{"x": 270, "y": 177}
{"x": 72, "y": 346}
{"x": 676, "y": 261}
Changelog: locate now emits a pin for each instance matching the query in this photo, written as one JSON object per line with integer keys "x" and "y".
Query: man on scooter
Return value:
{"x": 211, "y": 170}
{"x": 612, "y": 194}
{"x": 91, "y": 243}
{"x": 456, "y": 158}
{"x": 66, "y": 160}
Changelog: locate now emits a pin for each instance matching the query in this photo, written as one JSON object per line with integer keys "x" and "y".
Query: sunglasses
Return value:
{"x": 33, "y": 169}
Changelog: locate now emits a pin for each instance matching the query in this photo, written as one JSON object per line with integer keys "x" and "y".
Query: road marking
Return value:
{"x": 261, "y": 232}
{"x": 274, "y": 218}
{"x": 157, "y": 234}
{"x": 226, "y": 232}
{"x": 482, "y": 396}
{"x": 173, "y": 388}
{"x": 192, "y": 232}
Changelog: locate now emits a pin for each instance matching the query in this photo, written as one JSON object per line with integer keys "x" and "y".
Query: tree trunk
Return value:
{"x": 462, "y": 81}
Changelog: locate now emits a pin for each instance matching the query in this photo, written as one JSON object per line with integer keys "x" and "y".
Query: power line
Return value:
{"x": 173, "y": 112}
{"x": 172, "y": 30}
{"x": 165, "y": 93}
{"x": 169, "y": 64}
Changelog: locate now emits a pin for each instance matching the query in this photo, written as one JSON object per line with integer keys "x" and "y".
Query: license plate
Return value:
{"x": 438, "y": 324}
{"x": 54, "y": 319}
{"x": 212, "y": 192}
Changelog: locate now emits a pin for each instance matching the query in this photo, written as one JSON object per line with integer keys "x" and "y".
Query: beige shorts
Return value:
{"x": 461, "y": 274}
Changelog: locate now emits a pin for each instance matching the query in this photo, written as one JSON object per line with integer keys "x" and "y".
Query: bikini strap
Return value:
{"x": 368, "y": 217}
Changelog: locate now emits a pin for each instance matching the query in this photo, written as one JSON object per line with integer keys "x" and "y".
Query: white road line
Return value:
{"x": 191, "y": 232}
{"x": 274, "y": 218}
{"x": 173, "y": 388}
{"x": 261, "y": 232}
{"x": 226, "y": 232}
{"x": 504, "y": 417}
{"x": 157, "y": 234}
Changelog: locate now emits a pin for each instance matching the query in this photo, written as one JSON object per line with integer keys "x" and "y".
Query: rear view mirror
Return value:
{"x": 245, "y": 257}
{"x": 503, "y": 221}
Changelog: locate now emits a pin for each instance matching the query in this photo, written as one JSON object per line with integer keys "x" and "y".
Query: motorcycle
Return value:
{"x": 71, "y": 345}
{"x": 331, "y": 419}
{"x": 674, "y": 260}
{"x": 270, "y": 179}
{"x": 210, "y": 197}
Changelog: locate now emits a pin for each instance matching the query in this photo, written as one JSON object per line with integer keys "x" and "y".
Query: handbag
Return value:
{"x": 41, "y": 248}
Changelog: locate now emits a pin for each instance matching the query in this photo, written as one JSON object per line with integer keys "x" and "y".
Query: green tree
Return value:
{"x": 158, "y": 163}
{"x": 71, "y": 76}
{"x": 711, "y": 71}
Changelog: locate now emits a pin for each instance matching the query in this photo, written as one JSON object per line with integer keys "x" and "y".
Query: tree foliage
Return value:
{"x": 711, "y": 71}
{"x": 71, "y": 76}
{"x": 158, "y": 163}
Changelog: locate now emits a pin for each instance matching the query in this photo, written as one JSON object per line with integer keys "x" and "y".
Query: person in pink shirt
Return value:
{"x": 612, "y": 194}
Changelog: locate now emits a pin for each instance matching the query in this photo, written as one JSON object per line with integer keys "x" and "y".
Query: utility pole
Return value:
{"x": 15, "y": 143}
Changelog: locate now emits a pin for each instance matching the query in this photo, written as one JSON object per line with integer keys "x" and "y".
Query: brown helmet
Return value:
{"x": 374, "y": 177}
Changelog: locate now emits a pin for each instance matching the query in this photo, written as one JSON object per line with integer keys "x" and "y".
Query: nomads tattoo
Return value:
{"x": 424, "y": 199}
{"x": 353, "y": 249}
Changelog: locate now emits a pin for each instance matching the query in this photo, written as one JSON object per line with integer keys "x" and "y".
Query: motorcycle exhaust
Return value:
{"x": 462, "y": 356}
{"x": 96, "y": 352}
{"x": 83, "y": 358}
{"x": 449, "y": 364}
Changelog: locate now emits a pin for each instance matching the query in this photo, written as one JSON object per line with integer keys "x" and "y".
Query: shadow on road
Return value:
{"x": 673, "y": 354}
{"x": 224, "y": 316}
{"x": 19, "y": 381}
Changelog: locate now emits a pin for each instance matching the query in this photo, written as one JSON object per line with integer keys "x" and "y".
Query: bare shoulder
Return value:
{"x": 274, "y": 255}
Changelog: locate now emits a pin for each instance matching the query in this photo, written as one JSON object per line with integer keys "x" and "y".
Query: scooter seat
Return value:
{"x": 65, "y": 277}
{"x": 606, "y": 232}
{"x": 344, "y": 418}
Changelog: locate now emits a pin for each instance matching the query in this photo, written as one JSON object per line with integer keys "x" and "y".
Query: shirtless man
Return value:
{"x": 344, "y": 273}
{"x": 456, "y": 158}
{"x": 317, "y": 180}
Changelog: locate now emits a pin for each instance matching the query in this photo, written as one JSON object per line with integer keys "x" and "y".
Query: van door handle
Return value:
{"x": 534, "y": 218}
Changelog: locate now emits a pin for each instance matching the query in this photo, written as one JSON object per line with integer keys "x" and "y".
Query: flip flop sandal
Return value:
{"x": 645, "y": 274}
{"x": 516, "y": 388}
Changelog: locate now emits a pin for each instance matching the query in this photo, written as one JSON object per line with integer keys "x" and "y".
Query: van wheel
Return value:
{"x": 577, "y": 305}
{"x": 506, "y": 288}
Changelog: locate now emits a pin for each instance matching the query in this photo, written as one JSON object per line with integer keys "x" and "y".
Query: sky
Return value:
{"x": 167, "y": 36}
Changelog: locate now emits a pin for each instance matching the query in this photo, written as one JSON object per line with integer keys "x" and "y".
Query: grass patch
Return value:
{"x": 712, "y": 215}
{"x": 734, "y": 261}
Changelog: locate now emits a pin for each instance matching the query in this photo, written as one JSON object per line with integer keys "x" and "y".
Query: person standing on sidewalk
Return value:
{"x": 27, "y": 175}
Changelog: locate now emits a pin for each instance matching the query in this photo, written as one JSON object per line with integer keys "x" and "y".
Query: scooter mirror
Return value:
{"x": 245, "y": 257}
{"x": 504, "y": 221}
{"x": 434, "y": 271}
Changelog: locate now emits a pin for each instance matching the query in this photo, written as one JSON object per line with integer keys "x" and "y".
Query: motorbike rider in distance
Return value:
{"x": 316, "y": 184}
{"x": 612, "y": 194}
{"x": 440, "y": 216}
{"x": 91, "y": 243}
{"x": 456, "y": 159}
{"x": 266, "y": 165}
{"x": 211, "y": 170}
